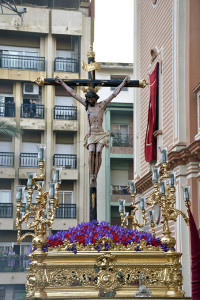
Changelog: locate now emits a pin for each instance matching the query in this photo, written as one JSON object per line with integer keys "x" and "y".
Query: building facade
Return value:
{"x": 50, "y": 40}
{"x": 170, "y": 27}
{"x": 117, "y": 160}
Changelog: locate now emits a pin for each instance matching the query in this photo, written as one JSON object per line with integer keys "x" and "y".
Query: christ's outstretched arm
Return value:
{"x": 70, "y": 90}
{"x": 117, "y": 90}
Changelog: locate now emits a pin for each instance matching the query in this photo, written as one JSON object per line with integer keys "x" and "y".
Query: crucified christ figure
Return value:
{"x": 96, "y": 138}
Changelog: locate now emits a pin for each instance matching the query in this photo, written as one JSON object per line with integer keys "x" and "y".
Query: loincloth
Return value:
{"x": 97, "y": 137}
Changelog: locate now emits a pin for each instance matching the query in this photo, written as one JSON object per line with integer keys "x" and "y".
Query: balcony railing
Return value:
{"x": 66, "y": 211}
{"x": 36, "y": 112}
{"x": 10, "y": 61}
{"x": 62, "y": 64}
{"x": 67, "y": 161}
{"x": 6, "y": 159}
{"x": 121, "y": 140}
{"x": 65, "y": 112}
{"x": 7, "y": 109}
{"x": 119, "y": 190}
{"x": 6, "y": 210}
{"x": 12, "y": 263}
{"x": 29, "y": 160}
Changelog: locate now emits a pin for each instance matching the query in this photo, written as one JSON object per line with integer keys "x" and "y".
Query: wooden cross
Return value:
{"x": 91, "y": 83}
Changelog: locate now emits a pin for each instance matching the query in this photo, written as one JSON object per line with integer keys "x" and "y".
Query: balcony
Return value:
{"x": 121, "y": 140}
{"x": 68, "y": 162}
{"x": 22, "y": 62}
{"x": 6, "y": 159}
{"x": 32, "y": 119}
{"x": 37, "y": 112}
{"x": 66, "y": 211}
{"x": 65, "y": 112}
{"x": 29, "y": 160}
{"x": 7, "y": 110}
{"x": 6, "y": 210}
{"x": 62, "y": 64}
{"x": 14, "y": 263}
{"x": 120, "y": 192}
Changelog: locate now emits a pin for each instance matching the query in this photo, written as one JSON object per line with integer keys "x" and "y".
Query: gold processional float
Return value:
{"x": 119, "y": 272}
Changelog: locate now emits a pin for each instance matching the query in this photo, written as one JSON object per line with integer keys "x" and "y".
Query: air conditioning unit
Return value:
{"x": 30, "y": 89}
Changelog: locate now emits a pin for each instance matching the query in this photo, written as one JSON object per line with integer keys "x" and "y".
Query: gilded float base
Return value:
{"x": 107, "y": 274}
{"x": 117, "y": 298}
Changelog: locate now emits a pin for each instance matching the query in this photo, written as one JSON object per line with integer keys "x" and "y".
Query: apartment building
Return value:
{"x": 171, "y": 28}
{"x": 50, "y": 40}
{"x": 117, "y": 160}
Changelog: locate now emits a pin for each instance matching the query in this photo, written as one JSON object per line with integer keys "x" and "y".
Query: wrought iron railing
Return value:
{"x": 6, "y": 159}
{"x": 62, "y": 64}
{"x": 29, "y": 111}
{"x": 65, "y": 112}
{"x": 6, "y": 210}
{"x": 12, "y": 263}
{"x": 121, "y": 140}
{"x": 29, "y": 160}
{"x": 67, "y": 161}
{"x": 66, "y": 211}
{"x": 10, "y": 61}
{"x": 7, "y": 109}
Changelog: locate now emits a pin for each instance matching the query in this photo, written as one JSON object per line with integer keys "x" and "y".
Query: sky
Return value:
{"x": 114, "y": 31}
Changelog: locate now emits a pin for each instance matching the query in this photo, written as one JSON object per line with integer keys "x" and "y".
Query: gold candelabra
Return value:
{"x": 164, "y": 196}
{"x": 36, "y": 215}
{"x": 125, "y": 215}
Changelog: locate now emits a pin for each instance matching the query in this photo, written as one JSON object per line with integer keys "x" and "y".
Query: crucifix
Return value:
{"x": 96, "y": 138}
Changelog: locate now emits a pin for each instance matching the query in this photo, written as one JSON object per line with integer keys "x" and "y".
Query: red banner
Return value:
{"x": 195, "y": 258}
{"x": 152, "y": 125}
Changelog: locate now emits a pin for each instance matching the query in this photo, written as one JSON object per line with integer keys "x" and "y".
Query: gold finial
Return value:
{"x": 91, "y": 53}
{"x": 39, "y": 81}
{"x": 143, "y": 83}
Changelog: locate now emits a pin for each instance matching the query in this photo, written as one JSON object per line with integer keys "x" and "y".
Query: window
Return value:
{"x": 66, "y": 197}
{"x": 118, "y": 77}
{"x": 5, "y": 196}
{"x": 7, "y": 105}
{"x": 64, "y": 149}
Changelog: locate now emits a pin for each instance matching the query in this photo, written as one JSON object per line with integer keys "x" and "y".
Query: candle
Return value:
{"x": 57, "y": 174}
{"x": 187, "y": 194}
{"x": 155, "y": 175}
{"x": 172, "y": 179}
{"x": 162, "y": 187}
{"x": 19, "y": 194}
{"x": 142, "y": 203}
{"x": 164, "y": 156}
{"x": 151, "y": 215}
{"x": 132, "y": 186}
{"x": 41, "y": 149}
{"x": 41, "y": 154}
{"x": 121, "y": 206}
{"x": 51, "y": 190}
{"x": 126, "y": 215}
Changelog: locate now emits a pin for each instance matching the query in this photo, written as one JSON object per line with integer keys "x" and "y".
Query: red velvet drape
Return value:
{"x": 150, "y": 140}
{"x": 195, "y": 258}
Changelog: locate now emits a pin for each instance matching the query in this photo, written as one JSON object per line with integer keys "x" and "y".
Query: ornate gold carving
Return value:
{"x": 132, "y": 217}
{"x": 91, "y": 66}
{"x": 166, "y": 201}
{"x": 91, "y": 53}
{"x": 106, "y": 272}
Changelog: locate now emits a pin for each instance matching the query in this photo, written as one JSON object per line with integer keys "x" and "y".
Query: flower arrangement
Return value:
{"x": 101, "y": 236}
